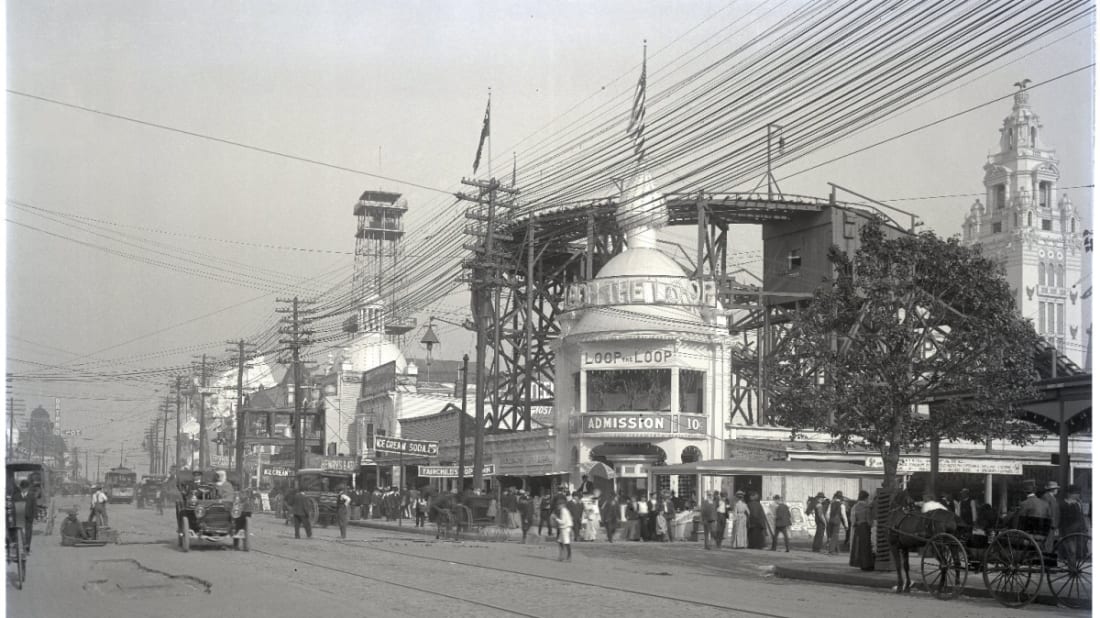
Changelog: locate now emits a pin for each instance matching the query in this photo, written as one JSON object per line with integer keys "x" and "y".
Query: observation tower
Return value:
{"x": 379, "y": 250}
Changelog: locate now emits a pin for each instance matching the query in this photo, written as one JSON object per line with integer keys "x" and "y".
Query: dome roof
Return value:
{"x": 641, "y": 262}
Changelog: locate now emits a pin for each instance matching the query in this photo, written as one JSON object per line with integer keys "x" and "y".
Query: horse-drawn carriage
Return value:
{"x": 38, "y": 476}
{"x": 450, "y": 515}
{"x": 1014, "y": 557}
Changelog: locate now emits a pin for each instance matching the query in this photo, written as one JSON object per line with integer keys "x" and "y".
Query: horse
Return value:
{"x": 908, "y": 530}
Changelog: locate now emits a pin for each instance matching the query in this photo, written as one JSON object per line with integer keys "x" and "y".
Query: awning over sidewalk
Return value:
{"x": 731, "y": 467}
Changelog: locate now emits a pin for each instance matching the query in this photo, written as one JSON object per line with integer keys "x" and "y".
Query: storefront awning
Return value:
{"x": 730, "y": 467}
{"x": 597, "y": 468}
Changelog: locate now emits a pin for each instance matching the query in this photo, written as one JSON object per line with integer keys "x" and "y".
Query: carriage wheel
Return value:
{"x": 1070, "y": 580}
{"x": 944, "y": 566}
{"x": 1013, "y": 570}
{"x": 20, "y": 559}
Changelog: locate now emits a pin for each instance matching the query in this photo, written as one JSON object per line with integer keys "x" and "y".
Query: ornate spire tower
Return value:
{"x": 1031, "y": 231}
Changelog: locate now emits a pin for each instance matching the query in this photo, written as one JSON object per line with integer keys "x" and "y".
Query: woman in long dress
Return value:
{"x": 862, "y": 554}
{"x": 740, "y": 517}
{"x": 758, "y": 523}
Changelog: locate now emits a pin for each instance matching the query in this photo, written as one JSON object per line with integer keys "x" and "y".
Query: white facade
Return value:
{"x": 1034, "y": 233}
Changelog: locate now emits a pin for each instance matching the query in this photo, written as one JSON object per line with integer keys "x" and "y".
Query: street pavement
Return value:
{"x": 382, "y": 572}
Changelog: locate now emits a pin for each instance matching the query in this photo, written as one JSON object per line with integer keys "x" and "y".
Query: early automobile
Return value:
{"x": 147, "y": 491}
{"x": 202, "y": 513}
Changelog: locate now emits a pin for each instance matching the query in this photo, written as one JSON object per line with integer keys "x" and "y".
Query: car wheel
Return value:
{"x": 185, "y": 540}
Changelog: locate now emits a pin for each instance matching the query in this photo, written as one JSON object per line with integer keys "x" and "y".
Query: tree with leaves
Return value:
{"x": 905, "y": 320}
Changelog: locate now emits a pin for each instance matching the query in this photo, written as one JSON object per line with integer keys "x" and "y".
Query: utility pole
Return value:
{"x": 178, "y": 426}
{"x": 203, "y": 459}
{"x": 239, "y": 430}
{"x": 164, "y": 438}
{"x": 485, "y": 283}
{"x": 462, "y": 429}
{"x": 298, "y": 338}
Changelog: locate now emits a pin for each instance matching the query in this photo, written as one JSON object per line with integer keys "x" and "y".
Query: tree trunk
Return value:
{"x": 890, "y": 457}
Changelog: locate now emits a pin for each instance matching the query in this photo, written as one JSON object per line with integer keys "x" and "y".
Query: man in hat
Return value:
{"x": 1072, "y": 520}
{"x": 99, "y": 507}
{"x": 72, "y": 531}
{"x": 838, "y": 519}
{"x": 708, "y": 514}
{"x": 1050, "y": 496}
{"x": 1031, "y": 510}
{"x": 965, "y": 508}
{"x": 782, "y": 522}
{"x": 29, "y": 497}
{"x": 821, "y": 521}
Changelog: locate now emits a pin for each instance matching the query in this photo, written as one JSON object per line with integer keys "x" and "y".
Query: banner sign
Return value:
{"x": 626, "y": 423}
{"x": 451, "y": 472}
{"x": 627, "y": 356}
{"x": 695, "y": 424}
{"x": 953, "y": 465}
{"x": 279, "y": 471}
{"x": 219, "y": 461}
{"x": 632, "y": 290}
{"x": 422, "y": 448}
{"x": 340, "y": 464}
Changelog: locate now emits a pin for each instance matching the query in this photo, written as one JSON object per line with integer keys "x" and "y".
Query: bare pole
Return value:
{"x": 462, "y": 428}
{"x": 239, "y": 447}
{"x": 178, "y": 423}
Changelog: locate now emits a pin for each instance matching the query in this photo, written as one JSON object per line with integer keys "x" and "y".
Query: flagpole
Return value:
{"x": 489, "y": 138}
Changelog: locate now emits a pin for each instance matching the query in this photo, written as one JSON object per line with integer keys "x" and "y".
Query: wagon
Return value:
{"x": 39, "y": 477}
{"x": 14, "y": 541}
{"x": 1014, "y": 565}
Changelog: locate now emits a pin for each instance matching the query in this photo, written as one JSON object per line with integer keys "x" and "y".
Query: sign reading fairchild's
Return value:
{"x": 626, "y": 423}
{"x": 640, "y": 291}
{"x": 422, "y": 448}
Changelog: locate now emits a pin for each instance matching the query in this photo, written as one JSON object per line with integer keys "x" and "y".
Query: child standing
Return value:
{"x": 562, "y": 520}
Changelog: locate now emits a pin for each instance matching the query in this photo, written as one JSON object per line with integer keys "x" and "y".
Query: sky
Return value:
{"x": 375, "y": 95}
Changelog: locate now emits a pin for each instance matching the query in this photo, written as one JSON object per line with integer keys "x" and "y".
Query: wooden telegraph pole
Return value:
{"x": 298, "y": 338}
{"x": 239, "y": 446}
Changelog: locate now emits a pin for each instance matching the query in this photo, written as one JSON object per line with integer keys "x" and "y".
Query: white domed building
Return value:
{"x": 642, "y": 371}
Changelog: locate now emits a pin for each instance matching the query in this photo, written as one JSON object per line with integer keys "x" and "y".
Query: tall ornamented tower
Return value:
{"x": 1031, "y": 231}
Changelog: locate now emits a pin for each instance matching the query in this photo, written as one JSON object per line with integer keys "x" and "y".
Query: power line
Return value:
{"x": 221, "y": 140}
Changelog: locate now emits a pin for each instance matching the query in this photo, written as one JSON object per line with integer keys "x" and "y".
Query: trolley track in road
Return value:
{"x": 539, "y": 576}
{"x": 446, "y": 595}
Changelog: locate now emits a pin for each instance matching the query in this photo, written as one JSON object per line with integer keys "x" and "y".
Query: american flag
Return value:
{"x": 484, "y": 135}
{"x": 636, "y": 128}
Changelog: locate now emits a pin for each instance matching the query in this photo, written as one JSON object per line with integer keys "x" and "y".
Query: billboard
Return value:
{"x": 379, "y": 381}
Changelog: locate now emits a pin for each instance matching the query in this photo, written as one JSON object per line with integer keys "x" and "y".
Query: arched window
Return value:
{"x": 1061, "y": 276}
{"x": 1034, "y": 136}
{"x": 1029, "y": 219}
{"x": 1042, "y": 273}
{"x": 691, "y": 454}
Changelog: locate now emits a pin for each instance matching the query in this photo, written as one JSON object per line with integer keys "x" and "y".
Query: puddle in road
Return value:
{"x": 130, "y": 579}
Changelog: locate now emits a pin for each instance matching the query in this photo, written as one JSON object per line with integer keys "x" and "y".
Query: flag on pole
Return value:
{"x": 484, "y": 135}
{"x": 636, "y": 128}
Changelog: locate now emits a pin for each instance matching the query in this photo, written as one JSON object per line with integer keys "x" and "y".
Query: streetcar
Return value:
{"x": 119, "y": 485}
